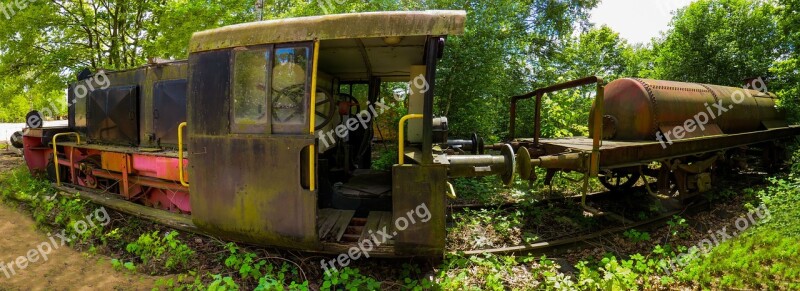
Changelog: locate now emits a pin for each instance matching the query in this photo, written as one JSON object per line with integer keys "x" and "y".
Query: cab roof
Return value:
{"x": 332, "y": 27}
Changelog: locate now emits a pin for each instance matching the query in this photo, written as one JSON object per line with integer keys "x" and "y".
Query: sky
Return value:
{"x": 636, "y": 20}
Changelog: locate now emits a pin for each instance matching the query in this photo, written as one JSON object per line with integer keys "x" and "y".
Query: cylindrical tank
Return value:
{"x": 636, "y": 109}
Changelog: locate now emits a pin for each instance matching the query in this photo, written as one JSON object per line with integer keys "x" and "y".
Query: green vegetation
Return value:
{"x": 509, "y": 48}
{"x": 162, "y": 251}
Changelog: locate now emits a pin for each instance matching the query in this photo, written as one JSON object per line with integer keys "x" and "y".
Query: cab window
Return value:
{"x": 289, "y": 86}
{"x": 250, "y": 83}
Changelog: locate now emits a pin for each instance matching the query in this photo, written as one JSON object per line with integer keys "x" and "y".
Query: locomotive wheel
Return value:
{"x": 85, "y": 174}
{"x": 16, "y": 139}
{"x": 51, "y": 170}
{"x": 617, "y": 181}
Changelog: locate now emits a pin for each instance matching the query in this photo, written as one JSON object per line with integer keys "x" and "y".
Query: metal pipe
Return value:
{"x": 180, "y": 153}
{"x": 55, "y": 154}
{"x": 144, "y": 181}
{"x": 537, "y": 125}
{"x": 311, "y": 148}
{"x": 431, "y": 58}
{"x": 401, "y": 151}
{"x": 476, "y": 166}
{"x": 597, "y": 130}
{"x": 597, "y": 126}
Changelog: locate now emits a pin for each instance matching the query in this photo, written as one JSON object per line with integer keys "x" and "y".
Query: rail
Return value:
{"x": 55, "y": 153}
{"x": 596, "y": 122}
{"x": 401, "y": 151}
{"x": 180, "y": 154}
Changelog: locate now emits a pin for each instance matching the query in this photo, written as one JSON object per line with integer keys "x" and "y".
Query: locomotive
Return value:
{"x": 254, "y": 137}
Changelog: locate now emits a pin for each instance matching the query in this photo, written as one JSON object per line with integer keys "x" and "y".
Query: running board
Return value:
{"x": 174, "y": 220}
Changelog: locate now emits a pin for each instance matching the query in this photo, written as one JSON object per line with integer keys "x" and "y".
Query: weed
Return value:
{"x": 349, "y": 279}
{"x": 678, "y": 227}
{"x": 385, "y": 159}
{"x": 637, "y": 236}
{"x": 165, "y": 250}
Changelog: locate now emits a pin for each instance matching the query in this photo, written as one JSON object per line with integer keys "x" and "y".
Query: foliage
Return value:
{"x": 386, "y": 159}
{"x": 786, "y": 81}
{"x": 265, "y": 275}
{"x": 763, "y": 260}
{"x": 637, "y": 236}
{"x": 678, "y": 226}
{"x": 119, "y": 265}
{"x": 349, "y": 279}
{"x": 52, "y": 211}
{"x": 719, "y": 42}
{"x": 48, "y": 42}
{"x": 166, "y": 250}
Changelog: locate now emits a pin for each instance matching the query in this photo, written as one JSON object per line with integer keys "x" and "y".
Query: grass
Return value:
{"x": 766, "y": 256}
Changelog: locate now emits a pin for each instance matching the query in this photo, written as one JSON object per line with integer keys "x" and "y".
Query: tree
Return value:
{"x": 509, "y": 47}
{"x": 45, "y": 43}
{"x": 719, "y": 42}
{"x": 786, "y": 81}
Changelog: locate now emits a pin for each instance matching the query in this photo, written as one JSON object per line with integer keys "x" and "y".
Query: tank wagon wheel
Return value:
{"x": 618, "y": 180}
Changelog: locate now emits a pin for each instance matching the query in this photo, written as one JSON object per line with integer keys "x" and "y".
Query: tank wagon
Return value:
{"x": 255, "y": 139}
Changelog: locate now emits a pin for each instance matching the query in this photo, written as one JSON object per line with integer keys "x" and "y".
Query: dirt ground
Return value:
{"x": 65, "y": 269}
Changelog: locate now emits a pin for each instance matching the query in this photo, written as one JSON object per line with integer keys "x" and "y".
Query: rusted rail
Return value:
{"x": 559, "y": 245}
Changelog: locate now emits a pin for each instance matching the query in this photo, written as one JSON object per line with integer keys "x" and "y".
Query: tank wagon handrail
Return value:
{"x": 597, "y": 124}
{"x": 180, "y": 154}
{"x": 55, "y": 154}
{"x": 401, "y": 137}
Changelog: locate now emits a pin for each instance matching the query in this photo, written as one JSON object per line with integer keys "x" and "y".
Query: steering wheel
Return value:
{"x": 325, "y": 114}
{"x": 288, "y": 99}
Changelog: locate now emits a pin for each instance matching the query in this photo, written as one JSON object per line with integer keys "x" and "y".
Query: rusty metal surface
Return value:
{"x": 413, "y": 185}
{"x": 163, "y": 103}
{"x": 326, "y": 27}
{"x": 642, "y": 107}
{"x": 245, "y": 186}
{"x": 615, "y": 154}
{"x": 539, "y": 93}
{"x": 249, "y": 188}
{"x": 117, "y": 162}
{"x": 139, "y": 128}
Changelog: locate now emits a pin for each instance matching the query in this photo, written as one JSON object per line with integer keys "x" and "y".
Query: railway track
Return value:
{"x": 560, "y": 245}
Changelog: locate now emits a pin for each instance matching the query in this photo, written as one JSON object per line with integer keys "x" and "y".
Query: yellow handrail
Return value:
{"x": 55, "y": 153}
{"x": 401, "y": 137}
{"x": 180, "y": 153}
{"x": 311, "y": 149}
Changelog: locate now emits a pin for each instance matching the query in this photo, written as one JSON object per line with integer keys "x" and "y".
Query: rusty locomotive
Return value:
{"x": 237, "y": 140}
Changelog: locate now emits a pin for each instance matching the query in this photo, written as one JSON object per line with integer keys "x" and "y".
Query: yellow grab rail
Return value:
{"x": 55, "y": 153}
{"x": 180, "y": 153}
{"x": 401, "y": 137}
{"x": 313, "y": 123}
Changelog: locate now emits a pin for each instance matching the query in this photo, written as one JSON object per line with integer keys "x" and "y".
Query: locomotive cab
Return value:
{"x": 279, "y": 147}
